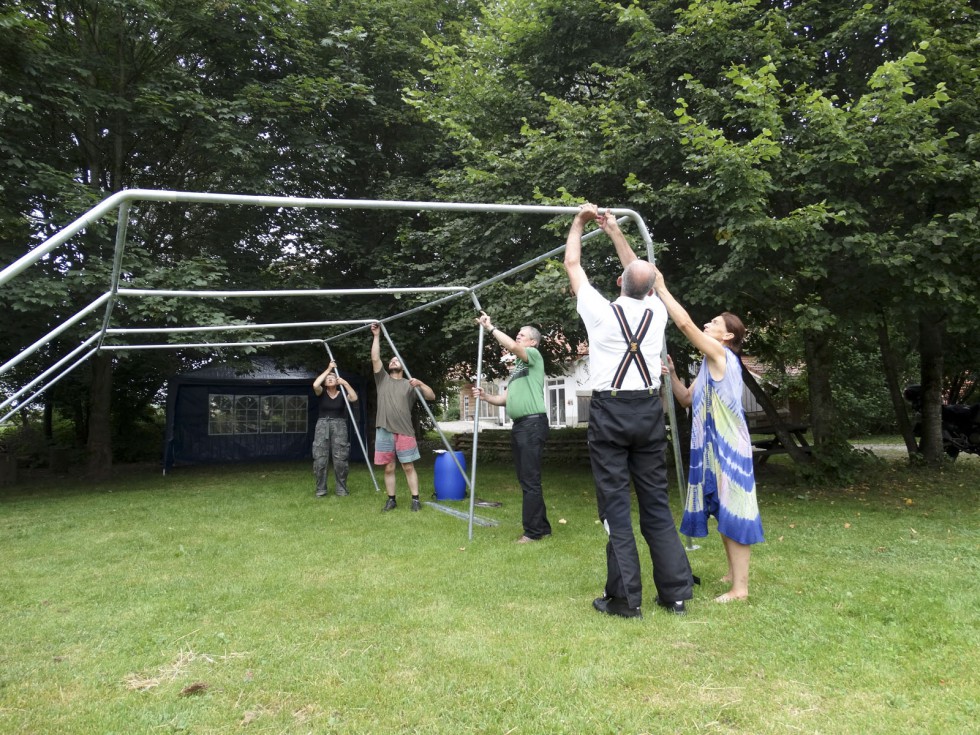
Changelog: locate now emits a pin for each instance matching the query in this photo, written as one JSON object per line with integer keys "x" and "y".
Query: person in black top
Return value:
{"x": 331, "y": 440}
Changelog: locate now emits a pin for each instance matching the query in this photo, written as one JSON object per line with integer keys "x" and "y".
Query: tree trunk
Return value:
{"x": 79, "y": 419}
{"x": 48, "y": 420}
{"x": 890, "y": 365}
{"x": 818, "y": 348}
{"x": 932, "y": 329}
{"x": 823, "y": 417}
{"x": 99, "y": 424}
{"x": 796, "y": 453}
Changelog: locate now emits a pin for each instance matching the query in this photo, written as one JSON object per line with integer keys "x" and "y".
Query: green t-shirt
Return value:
{"x": 525, "y": 391}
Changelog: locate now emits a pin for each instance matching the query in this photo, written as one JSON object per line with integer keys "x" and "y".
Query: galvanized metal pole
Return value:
{"x": 425, "y": 405}
{"x": 121, "y": 201}
{"x": 357, "y": 429}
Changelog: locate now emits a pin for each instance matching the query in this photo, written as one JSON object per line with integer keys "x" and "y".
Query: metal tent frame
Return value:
{"x": 119, "y": 204}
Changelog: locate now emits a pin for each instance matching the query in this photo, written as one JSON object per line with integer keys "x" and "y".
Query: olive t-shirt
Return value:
{"x": 395, "y": 401}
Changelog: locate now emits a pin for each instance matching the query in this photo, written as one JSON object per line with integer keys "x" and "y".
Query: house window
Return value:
{"x": 231, "y": 414}
{"x": 487, "y": 410}
{"x": 556, "y": 402}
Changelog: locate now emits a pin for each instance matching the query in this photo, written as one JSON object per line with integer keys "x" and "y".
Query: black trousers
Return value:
{"x": 527, "y": 445}
{"x": 628, "y": 440}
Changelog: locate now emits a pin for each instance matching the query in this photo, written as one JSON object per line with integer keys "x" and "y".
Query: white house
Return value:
{"x": 567, "y": 397}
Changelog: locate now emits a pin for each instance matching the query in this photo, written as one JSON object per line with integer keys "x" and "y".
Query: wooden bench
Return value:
{"x": 763, "y": 448}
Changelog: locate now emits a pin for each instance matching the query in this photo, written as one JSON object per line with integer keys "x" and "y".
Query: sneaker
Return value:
{"x": 674, "y": 608}
{"x": 390, "y": 505}
{"x": 343, "y": 493}
{"x": 416, "y": 505}
{"x": 616, "y": 606}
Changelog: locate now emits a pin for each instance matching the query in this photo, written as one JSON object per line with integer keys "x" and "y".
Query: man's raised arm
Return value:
{"x": 376, "y": 348}
{"x": 573, "y": 247}
{"x": 607, "y": 221}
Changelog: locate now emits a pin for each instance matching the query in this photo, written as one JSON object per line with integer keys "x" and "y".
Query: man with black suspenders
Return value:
{"x": 627, "y": 435}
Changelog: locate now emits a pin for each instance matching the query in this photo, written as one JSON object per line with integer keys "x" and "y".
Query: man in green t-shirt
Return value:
{"x": 525, "y": 406}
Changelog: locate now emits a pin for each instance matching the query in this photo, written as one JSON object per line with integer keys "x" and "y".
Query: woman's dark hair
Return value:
{"x": 734, "y": 325}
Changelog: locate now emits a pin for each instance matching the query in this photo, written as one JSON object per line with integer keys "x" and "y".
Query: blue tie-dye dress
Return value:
{"x": 721, "y": 481}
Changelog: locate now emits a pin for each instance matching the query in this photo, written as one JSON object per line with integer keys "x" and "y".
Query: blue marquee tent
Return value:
{"x": 221, "y": 413}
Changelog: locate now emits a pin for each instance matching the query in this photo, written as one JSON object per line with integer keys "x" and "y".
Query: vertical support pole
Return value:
{"x": 357, "y": 428}
{"x": 122, "y": 225}
{"x": 425, "y": 405}
{"x": 476, "y": 410}
{"x": 671, "y": 405}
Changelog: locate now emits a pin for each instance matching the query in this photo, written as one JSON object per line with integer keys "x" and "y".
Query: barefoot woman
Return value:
{"x": 721, "y": 482}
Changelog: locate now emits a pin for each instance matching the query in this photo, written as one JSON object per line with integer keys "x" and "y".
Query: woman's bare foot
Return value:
{"x": 732, "y": 597}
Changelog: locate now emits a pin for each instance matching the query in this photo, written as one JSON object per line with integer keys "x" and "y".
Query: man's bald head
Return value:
{"x": 637, "y": 279}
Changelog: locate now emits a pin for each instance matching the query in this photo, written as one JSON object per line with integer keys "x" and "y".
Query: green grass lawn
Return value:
{"x": 225, "y": 600}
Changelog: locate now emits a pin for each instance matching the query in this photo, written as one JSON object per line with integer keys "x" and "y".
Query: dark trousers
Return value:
{"x": 627, "y": 439}
{"x": 527, "y": 440}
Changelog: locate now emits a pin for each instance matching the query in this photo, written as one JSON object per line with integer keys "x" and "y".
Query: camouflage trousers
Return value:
{"x": 331, "y": 442}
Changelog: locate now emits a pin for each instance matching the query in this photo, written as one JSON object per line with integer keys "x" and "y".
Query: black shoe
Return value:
{"x": 675, "y": 608}
{"x": 416, "y": 505}
{"x": 616, "y": 606}
{"x": 390, "y": 505}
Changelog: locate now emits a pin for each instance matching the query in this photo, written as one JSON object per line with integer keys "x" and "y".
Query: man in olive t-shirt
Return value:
{"x": 394, "y": 435}
{"x": 525, "y": 406}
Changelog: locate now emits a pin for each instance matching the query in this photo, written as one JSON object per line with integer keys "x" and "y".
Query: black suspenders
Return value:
{"x": 633, "y": 354}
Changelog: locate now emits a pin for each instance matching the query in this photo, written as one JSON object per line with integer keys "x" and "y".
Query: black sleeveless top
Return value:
{"x": 332, "y": 408}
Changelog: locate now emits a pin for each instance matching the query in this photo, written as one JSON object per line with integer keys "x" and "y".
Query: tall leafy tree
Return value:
{"x": 793, "y": 157}
{"x": 259, "y": 97}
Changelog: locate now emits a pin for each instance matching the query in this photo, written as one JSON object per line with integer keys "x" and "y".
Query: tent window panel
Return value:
{"x": 246, "y": 414}
{"x": 273, "y": 415}
{"x": 221, "y": 414}
{"x": 231, "y": 414}
{"x": 296, "y": 414}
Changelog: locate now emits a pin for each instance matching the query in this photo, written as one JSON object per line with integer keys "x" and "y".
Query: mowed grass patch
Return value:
{"x": 230, "y": 600}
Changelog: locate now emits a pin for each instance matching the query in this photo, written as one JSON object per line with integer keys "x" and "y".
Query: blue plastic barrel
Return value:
{"x": 450, "y": 483}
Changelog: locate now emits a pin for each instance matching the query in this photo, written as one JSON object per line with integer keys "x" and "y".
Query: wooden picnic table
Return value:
{"x": 769, "y": 444}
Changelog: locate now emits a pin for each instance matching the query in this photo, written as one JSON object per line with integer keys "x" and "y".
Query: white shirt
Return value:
{"x": 607, "y": 346}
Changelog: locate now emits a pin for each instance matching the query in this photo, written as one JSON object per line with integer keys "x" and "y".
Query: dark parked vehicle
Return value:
{"x": 961, "y": 424}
